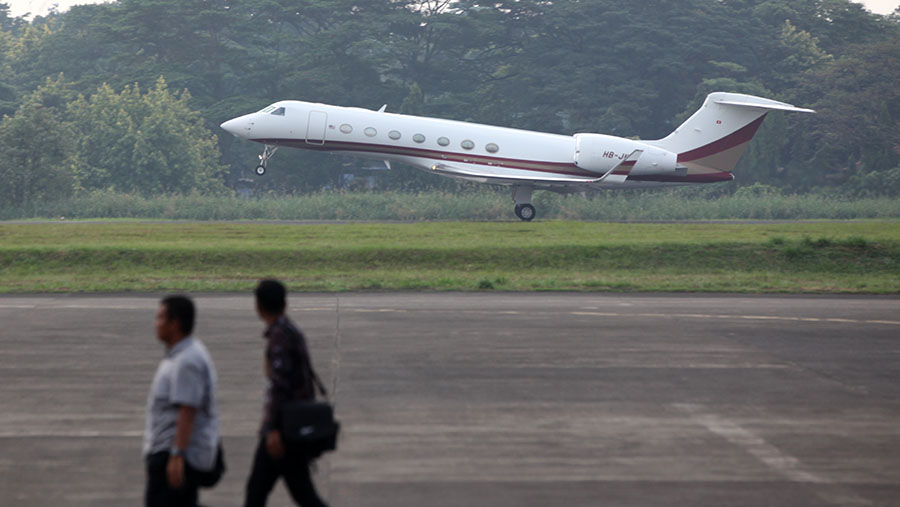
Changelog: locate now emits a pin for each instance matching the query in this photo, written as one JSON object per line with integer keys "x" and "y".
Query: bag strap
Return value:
{"x": 308, "y": 360}
{"x": 315, "y": 377}
{"x": 316, "y": 380}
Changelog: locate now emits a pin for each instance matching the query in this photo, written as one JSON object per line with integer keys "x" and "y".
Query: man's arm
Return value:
{"x": 281, "y": 365}
{"x": 184, "y": 426}
{"x": 279, "y": 353}
{"x": 189, "y": 383}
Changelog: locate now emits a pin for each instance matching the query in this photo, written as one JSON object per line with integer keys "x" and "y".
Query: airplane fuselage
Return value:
{"x": 704, "y": 149}
{"x": 421, "y": 142}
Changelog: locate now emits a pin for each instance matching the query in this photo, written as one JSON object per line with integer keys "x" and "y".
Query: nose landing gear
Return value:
{"x": 264, "y": 158}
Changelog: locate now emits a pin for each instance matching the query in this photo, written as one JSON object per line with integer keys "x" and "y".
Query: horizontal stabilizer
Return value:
{"x": 764, "y": 104}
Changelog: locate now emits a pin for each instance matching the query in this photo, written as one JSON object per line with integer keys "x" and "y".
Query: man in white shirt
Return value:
{"x": 182, "y": 431}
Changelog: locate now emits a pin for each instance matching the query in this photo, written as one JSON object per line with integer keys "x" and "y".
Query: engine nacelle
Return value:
{"x": 657, "y": 161}
{"x": 600, "y": 153}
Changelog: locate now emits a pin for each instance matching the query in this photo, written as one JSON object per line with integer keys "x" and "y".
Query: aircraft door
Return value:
{"x": 315, "y": 127}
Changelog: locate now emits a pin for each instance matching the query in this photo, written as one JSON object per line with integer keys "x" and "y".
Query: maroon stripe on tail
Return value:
{"x": 738, "y": 137}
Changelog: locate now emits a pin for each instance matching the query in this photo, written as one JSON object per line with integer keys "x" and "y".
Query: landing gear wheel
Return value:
{"x": 267, "y": 153}
{"x": 525, "y": 212}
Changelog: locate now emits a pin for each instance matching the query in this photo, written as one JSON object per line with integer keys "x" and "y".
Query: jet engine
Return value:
{"x": 599, "y": 153}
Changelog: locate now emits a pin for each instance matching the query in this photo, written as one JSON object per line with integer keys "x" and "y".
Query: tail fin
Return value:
{"x": 716, "y": 135}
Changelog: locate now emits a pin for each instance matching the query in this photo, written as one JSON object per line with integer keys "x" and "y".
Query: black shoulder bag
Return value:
{"x": 309, "y": 425}
{"x": 208, "y": 479}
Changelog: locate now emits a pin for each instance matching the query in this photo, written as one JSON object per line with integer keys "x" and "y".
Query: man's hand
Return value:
{"x": 175, "y": 472}
{"x": 274, "y": 444}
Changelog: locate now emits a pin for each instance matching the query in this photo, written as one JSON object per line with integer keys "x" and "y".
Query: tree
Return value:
{"x": 148, "y": 143}
{"x": 37, "y": 155}
{"x": 8, "y": 23}
{"x": 858, "y": 107}
{"x": 9, "y": 99}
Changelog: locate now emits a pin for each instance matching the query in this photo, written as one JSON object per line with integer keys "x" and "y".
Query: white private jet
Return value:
{"x": 704, "y": 149}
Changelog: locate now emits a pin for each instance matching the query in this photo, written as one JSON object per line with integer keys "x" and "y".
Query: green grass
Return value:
{"x": 840, "y": 257}
{"x": 481, "y": 204}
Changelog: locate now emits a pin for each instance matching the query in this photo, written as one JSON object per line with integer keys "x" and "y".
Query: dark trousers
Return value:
{"x": 159, "y": 494}
{"x": 266, "y": 471}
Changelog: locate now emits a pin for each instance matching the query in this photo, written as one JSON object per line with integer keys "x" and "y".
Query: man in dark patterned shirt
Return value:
{"x": 289, "y": 378}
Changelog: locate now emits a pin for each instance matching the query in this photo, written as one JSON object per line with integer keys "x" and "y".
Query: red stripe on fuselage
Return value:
{"x": 445, "y": 156}
{"x": 509, "y": 163}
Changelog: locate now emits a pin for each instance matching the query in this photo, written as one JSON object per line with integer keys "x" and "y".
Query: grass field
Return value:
{"x": 838, "y": 257}
{"x": 687, "y": 203}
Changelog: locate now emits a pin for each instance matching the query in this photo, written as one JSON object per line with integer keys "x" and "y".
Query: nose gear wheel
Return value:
{"x": 264, "y": 158}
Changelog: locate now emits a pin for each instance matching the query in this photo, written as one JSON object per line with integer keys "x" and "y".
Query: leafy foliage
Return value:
{"x": 36, "y": 151}
{"x": 148, "y": 143}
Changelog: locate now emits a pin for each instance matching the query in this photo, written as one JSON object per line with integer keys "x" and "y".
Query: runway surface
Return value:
{"x": 485, "y": 399}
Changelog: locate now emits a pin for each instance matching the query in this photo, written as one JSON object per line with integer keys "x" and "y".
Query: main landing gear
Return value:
{"x": 264, "y": 158}
{"x": 522, "y": 197}
{"x": 525, "y": 211}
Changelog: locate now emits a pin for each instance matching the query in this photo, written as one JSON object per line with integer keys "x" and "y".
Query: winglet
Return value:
{"x": 619, "y": 173}
{"x": 382, "y": 108}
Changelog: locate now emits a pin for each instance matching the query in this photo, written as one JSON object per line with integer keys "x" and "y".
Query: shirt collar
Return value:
{"x": 279, "y": 322}
{"x": 180, "y": 346}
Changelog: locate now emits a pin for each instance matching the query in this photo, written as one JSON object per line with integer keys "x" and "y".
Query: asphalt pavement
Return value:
{"x": 485, "y": 398}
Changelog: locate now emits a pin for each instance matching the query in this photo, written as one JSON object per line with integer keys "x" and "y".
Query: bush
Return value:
{"x": 874, "y": 184}
{"x": 757, "y": 190}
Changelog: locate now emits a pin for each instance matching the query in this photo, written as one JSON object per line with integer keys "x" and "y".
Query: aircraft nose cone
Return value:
{"x": 237, "y": 126}
{"x": 230, "y": 126}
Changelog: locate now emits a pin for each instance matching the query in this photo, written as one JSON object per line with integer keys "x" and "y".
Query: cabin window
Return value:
{"x": 492, "y": 148}
{"x": 345, "y": 128}
{"x": 394, "y": 135}
{"x": 370, "y": 132}
{"x": 278, "y": 112}
{"x": 443, "y": 141}
{"x": 467, "y": 144}
{"x": 419, "y": 138}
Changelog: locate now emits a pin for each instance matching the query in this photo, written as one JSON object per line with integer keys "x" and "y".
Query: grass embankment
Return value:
{"x": 847, "y": 257}
{"x": 481, "y": 204}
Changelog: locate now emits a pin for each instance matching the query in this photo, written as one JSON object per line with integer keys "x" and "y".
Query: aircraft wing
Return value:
{"x": 620, "y": 173}
{"x": 617, "y": 174}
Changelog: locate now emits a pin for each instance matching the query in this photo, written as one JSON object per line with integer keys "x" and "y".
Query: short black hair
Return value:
{"x": 271, "y": 296}
{"x": 180, "y": 308}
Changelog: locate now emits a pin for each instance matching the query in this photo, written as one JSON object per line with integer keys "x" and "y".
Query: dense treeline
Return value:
{"x": 128, "y": 96}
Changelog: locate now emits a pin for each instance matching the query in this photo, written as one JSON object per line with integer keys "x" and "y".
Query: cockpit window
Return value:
{"x": 268, "y": 109}
{"x": 278, "y": 112}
